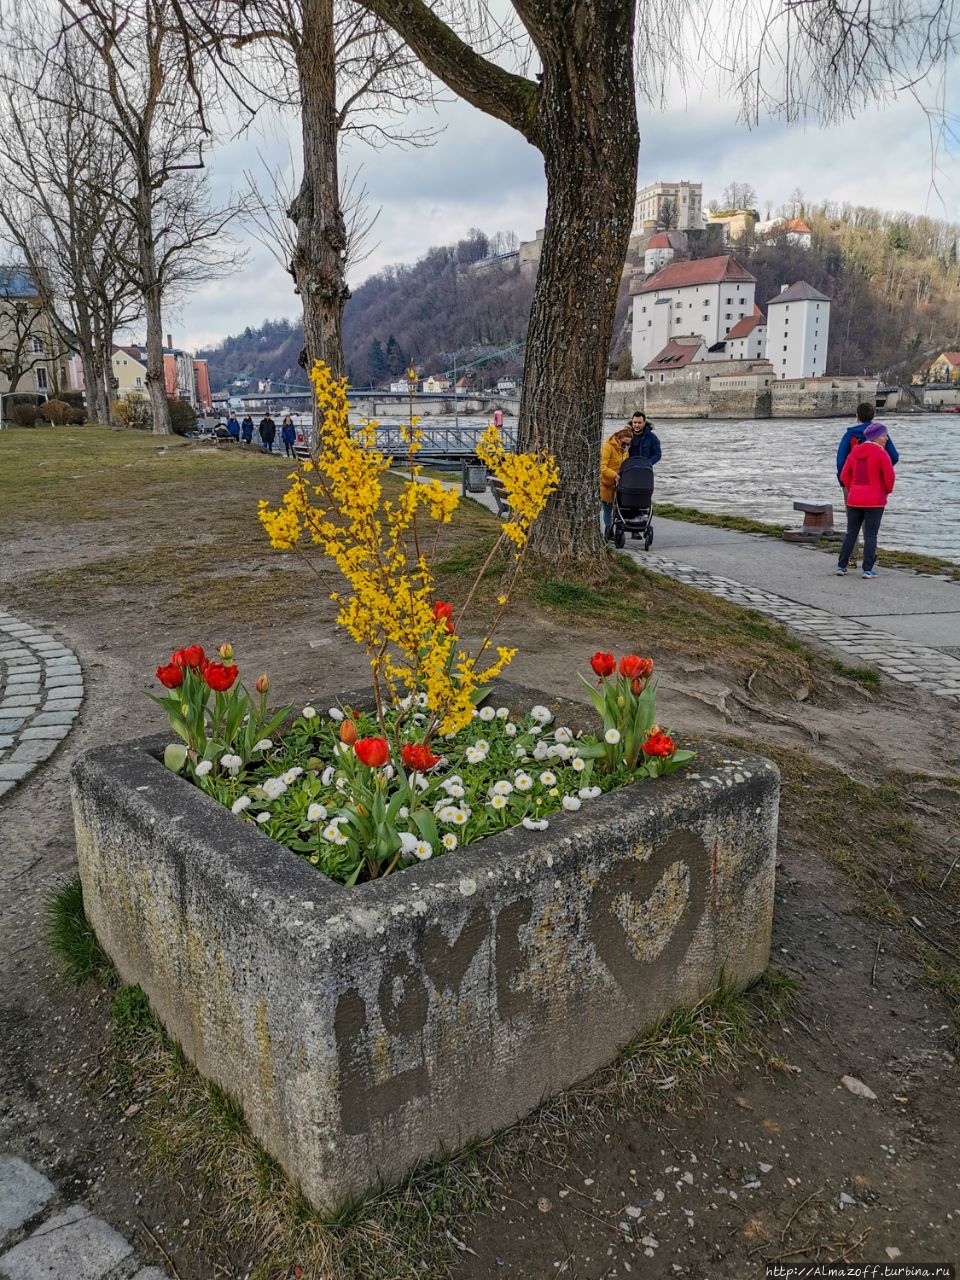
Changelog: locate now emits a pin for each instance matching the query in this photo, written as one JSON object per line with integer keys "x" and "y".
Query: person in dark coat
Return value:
{"x": 246, "y": 429}
{"x": 645, "y": 443}
{"x": 268, "y": 433}
{"x": 288, "y": 434}
{"x": 233, "y": 427}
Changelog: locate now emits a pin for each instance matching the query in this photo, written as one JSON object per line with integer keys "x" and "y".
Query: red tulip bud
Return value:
{"x": 263, "y": 683}
{"x": 348, "y": 732}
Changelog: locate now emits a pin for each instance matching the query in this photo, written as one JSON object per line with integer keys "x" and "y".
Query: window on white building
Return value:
{"x": 41, "y": 379}
{"x": 784, "y": 350}
{"x": 661, "y": 377}
{"x": 36, "y": 345}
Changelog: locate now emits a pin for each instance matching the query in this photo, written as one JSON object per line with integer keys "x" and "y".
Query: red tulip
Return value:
{"x": 372, "y": 752}
{"x": 171, "y": 676}
{"x": 658, "y": 744}
{"x": 635, "y": 668}
{"x": 192, "y": 656}
{"x": 444, "y": 612}
{"x": 263, "y": 683}
{"x": 604, "y": 664}
{"x": 348, "y": 732}
{"x": 418, "y": 756}
{"x": 220, "y": 677}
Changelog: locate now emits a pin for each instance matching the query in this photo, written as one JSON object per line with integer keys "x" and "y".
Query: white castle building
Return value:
{"x": 713, "y": 298}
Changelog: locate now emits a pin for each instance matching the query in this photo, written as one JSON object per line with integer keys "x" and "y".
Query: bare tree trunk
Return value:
{"x": 150, "y": 284}
{"x": 587, "y": 131}
{"x": 320, "y": 255}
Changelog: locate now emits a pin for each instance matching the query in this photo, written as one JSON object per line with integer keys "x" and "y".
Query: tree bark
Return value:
{"x": 588, "y": 133}
{"x": 150, "y": 283}
{"x": 319, "y": 257}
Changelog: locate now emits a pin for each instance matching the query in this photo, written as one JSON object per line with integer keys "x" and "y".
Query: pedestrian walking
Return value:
{"x": 498, "y": 418}
{"x": 233, "y": 427}
{"x": 246, "y": 429}
{"x": 611, "y": 458}
{"x": 645, "y": 442}
{"x": 268, "y": 433}
{"x": 288, "y": 434}
{"x": 867, "y": 477}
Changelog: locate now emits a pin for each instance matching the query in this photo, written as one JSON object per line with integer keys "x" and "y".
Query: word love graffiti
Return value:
{"x": 640, "y": 919}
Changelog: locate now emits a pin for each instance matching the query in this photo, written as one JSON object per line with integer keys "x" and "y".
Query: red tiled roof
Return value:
{"x": 659, "y": 241}
{"x": 743, "y": 328}
{"x": 953, "y": 357}
{"x": 676, "y": 275}
{"x": 675, "y": 354}
{"x": 797, "y": 225}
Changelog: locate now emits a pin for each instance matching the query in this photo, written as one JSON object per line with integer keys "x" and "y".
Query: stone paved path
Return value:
{"x": 41, "y": 689}
{"x": 900, "y": 659}
{"x": 42, "y": 1240}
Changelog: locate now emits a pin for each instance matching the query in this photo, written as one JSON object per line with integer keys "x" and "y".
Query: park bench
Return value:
{"x": 500, "y": 497}
{"x": 817, "y": 522}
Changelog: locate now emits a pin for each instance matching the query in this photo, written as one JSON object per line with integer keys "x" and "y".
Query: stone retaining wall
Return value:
{"x": 362, "y": 1029}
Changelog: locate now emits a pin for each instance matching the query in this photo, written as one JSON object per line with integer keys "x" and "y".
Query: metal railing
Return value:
{"x": 441, "y": 443}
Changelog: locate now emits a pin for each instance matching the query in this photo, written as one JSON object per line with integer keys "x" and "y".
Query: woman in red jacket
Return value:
{"x": 867, "y": 475}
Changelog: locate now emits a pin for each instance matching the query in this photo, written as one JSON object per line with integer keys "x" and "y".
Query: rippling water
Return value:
{"x": 759, "y": 469}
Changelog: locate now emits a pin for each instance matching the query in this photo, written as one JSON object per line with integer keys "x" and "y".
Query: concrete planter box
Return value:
{"x": 362, "y": 1029}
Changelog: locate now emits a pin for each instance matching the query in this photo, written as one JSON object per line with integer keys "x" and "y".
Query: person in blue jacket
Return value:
{"x": 645, "y": 443}
{"x": 246, "y": 428}
{"x": 854, "y": 435}
{"x": 288, "y": 434}
{"x": 233, "y": 427}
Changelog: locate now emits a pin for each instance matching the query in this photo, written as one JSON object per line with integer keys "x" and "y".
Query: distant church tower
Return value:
{"x": 798, "y": 325}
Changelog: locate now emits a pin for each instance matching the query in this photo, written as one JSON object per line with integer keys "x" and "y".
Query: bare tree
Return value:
{"x": 580, "y": 111}
{"x": 739, "y": 195}
{"x": 149, "y": 94}
{"x": 60, "y": 171}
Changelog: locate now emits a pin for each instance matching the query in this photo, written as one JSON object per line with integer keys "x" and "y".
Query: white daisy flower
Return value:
{"x": 408, "y": 843}
{"x": 502, "y": 787}
{"x": 448, "y": 813}
{"x": 316, "y": 813}
{"x": 203, "y": 768}
{"x": 520, "y": 751}
{"x": 231, "y": 762}
{"x": 523, "y": 782}
{"x": 262, "y": 818}
{"x": 309, "y": 713}
{"x": 535, "y": 824}
{"x": 388, "y": 771}
{"x": 449, "y": 841}
{"x": 534, "y": 729}
{"x": 460, "y": 817}
{"x": 263, "y": 745}
{"x": 572, "y": 803}
{"x": 503, "y": 713}
{"x": 273, "y": 788}
{"x": 334, "y": 713}
{"x": 510, "y": 729}
{"x": 487, "y": 713}
{"x": 589, "y": 793}
{"x": 543, "y": 715}
{"x": 475, "y": 755}
{"x": 498, "y": 802}
{"x": 333, "y": 833}
{"x": 240, "y": 804}
{"x": 541, "y": 751}
{"x": 456, "y": 791}
{"x": 403, "y": 812}
{"x": 328, "y": 775}
{"x": 423, "y": 850}
{"x": 612, "y": 736}
{"x": 577, "y": 764}
{"x": 292, "y": 775}
{"x": 407, "y": 702}
{"x": 562, "y": 733}
{"x": 548, "y": 779}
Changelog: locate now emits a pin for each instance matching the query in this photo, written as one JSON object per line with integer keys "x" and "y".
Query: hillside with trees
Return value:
{"x": 894, "y": 279}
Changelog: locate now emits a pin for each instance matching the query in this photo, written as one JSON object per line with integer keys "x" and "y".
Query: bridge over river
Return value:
{"x": 447, "y": 441}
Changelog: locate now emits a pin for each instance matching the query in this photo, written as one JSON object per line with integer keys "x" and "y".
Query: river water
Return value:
{"x": 760, "y": 468}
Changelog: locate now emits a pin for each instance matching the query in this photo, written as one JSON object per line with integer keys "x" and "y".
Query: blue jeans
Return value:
{"x": 606, "y": 509}
{"x": 867, "y": 518}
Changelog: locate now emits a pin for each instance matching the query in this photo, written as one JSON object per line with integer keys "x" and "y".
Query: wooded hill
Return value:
{"x": 894, "y": 280}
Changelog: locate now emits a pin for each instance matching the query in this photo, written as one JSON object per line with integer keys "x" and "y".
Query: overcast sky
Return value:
{"x": 480, "y": 173}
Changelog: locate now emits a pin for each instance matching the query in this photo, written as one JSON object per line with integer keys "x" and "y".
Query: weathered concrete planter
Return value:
{"x": 364, "y": 1028}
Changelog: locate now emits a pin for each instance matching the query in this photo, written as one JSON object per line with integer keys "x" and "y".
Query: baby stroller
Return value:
{"x": 633, "y": 503}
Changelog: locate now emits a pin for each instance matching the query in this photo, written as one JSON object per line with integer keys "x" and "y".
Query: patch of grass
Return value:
{"x": 866, "y": 676}
{"x": 131, "y": 1013}
{"x": 71, "y": 937}
{"x": 918, "y": 562}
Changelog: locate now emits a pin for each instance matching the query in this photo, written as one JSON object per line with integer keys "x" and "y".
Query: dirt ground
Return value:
{"x": 765, "y": 1165}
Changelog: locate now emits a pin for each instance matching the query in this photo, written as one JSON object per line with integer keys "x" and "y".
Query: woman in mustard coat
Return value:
{"x": 612, "y": 454}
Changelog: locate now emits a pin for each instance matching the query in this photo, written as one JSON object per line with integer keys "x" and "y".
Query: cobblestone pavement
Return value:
{"x": 41, "y": 689}
{"x": 858, "y": 642}
{"x": 40, "y": 1239}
